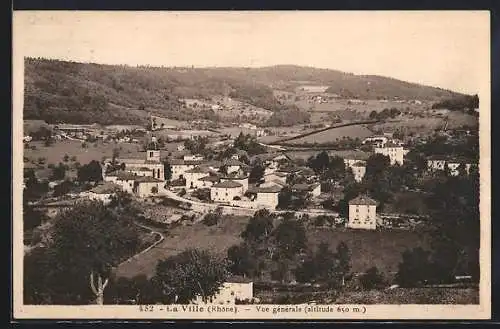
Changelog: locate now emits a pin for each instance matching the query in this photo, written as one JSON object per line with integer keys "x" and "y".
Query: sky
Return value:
{"x": 444, "y": 49}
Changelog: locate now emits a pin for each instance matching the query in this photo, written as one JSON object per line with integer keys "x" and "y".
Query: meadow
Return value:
{"x": 368, "y": 248}
{"x": 335, "y": 134}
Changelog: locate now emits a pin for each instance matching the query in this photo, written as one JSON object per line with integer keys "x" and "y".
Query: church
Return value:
{"x": 143, "y": 177}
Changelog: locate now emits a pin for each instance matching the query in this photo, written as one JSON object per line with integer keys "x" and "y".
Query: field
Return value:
{"x": 216, "y": 239}
{"x": 347, "y": 154}
{"x": 368, "y": 248}
{"x": 55, "y": 153}
{"x": 371, "y": 248}
{"x": 335, "y": 134}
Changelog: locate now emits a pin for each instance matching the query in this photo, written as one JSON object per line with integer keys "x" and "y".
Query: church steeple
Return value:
{"x": 153, "y": 150}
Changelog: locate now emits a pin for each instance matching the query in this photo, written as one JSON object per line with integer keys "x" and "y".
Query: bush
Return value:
{"x": 372, "y": 279}
{"x": 182, "y": 192}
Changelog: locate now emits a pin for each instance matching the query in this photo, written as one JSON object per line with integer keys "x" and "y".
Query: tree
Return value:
{"x": 242, "y": 261}
{"x": 66, "y": 158}
{"x": 372, "y": 279}
{"x": 373, "y": 114}
{"x": 343, "y": 261}
{"x": 90, "y": 172}
{"x": 87, "y": 241}
{"x": 259, "y": 227}
{"x": 190, "y": 274}
{"x": 319, "y": 163}
{"x": 167, "y": 170}
{"x": 59, "y": 172}
{"x": 63, "y": 188}
{"x": 256, "y": 174}
{"x": 291, "y": 237}
{"x": 415, "y": 269}
{"x": 213, "y": 217}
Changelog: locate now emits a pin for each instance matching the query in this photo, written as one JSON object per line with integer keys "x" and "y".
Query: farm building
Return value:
{"x": 226, "y": 191}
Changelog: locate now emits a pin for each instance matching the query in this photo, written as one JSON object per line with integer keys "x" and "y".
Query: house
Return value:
{"x": 379, "y": 141}
{"x": 436, "y": 162}
{"x": 225, "y": 191}
{"x": 314, "y": 189}
{"x": 362, "y": 213}
{"x": 267, "y": 197}
{"x": 123, "y": 178}
{"x": 359, "y": 170}
{"x": 150, "y": 166}
{"x": 146, "y": 186}
{"x": 236, "y": 288}
{"x": 192, "y": 176}
{"x": 193, "y": 157}
{"x": 209, "y": 181}
{"x": 439, "y": 162}
{"x": 395, "y": 153}
{"x": 276, "y": 176}
{"x": 233, "y": 165}
{"x": 102, "y": 192}
{"x": 180, "y": 166}
{"x": 240, "y": 178}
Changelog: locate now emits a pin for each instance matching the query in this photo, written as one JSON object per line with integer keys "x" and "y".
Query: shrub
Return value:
{"x": 372, "y": 279}
{"x": 182, "y": 192}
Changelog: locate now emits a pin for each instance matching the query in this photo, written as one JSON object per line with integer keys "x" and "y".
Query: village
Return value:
{"x": 203, "y": 175}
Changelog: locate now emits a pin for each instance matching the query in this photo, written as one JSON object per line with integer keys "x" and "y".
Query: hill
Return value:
{"x": 60, "y": 91}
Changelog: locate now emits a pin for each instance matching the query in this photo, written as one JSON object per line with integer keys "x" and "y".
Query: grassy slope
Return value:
{"x": 369, "y": 248}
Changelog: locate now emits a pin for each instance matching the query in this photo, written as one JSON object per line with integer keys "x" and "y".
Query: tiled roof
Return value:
{"x": 210, "y": 178}
{"x": 122, "y": 175}
{"x": 363, "y": 200}
{"x": 147, "y": 179}
{"x": 199, "y": 170}
{"x": 131, "y": 161}
{"x": 269, "y": 189}
{"x": 228, "y": 184}
{"x": 184, "y": 162}
{"x": 359, "y": 164}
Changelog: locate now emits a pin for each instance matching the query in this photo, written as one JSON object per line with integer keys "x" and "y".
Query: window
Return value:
{"x": 150, "y": 154}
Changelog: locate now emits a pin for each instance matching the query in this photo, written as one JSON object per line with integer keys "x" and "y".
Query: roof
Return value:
{"x": 391, "y": 144}
{"x": 131, "y": 161}
{"x": 269, "y": 189}
{"x": 180, "y": 162}
{"x": 211, "y": 178}
{"x": 305, "y": 187}
{"x": 199, "y": 170}
{"x": 106, "y": 188}
{"x": 147, "y": 179}
{"x": 234, "y": 162}
{"x": 235, "y": 175}
{"x": 228, "y": 184}
{"x": 122, "y": 175}
{"x": 363, "y": 200}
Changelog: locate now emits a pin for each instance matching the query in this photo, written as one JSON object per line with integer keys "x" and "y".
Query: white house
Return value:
{"x": 438, "y": 163}
{"x": 362, "y": 213}
{"x": 179, "y": 167}
{"x": 240, "y": 179}
{"x": 267, "y": 197}
{"x": 358, "y": 170}
{"x": 193, "y": 157}
{"x": 395, "y": 153}
{"x": 378, "y": 141}
{"x": 123, "y": 178}
{"x": 192, "y": 176}
{"x": 226, "y": 191}
{"x": 235, "y": 288}
{"x": 146, "y": 186}
{"x": 102, "y": 192}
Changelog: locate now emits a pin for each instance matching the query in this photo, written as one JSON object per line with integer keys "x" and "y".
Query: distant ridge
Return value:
{"x": 75, "y": 92}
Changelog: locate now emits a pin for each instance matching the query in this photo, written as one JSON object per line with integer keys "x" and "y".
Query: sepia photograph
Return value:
{"x": 251, "y": 165}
